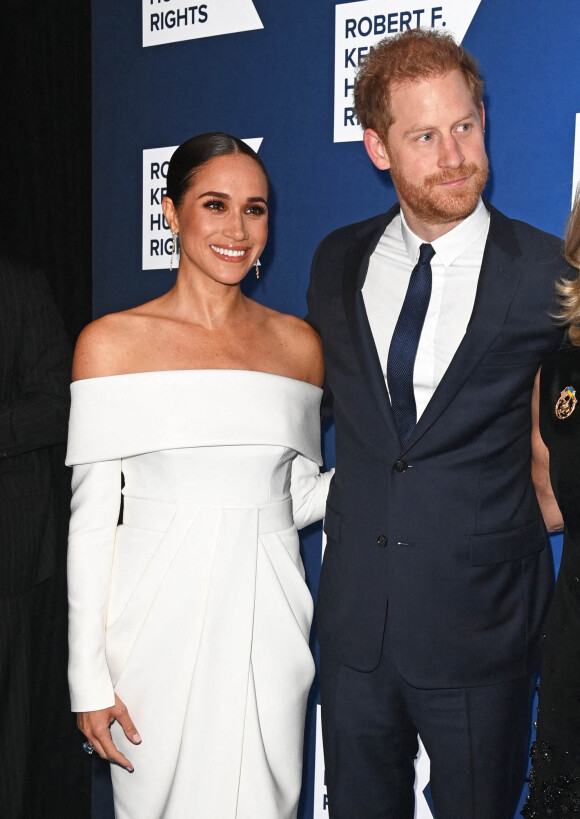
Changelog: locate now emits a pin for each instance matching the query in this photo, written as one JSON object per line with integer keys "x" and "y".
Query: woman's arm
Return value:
{"x": 309, "y": 489}
{"x": 541, "y": 469}
{"x": 95, "y": 511}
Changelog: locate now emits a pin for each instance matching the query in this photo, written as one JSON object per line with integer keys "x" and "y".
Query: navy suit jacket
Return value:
{"x": 440, "y": 540}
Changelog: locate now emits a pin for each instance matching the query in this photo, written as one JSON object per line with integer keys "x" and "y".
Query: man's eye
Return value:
{"x": 425, "y": 138}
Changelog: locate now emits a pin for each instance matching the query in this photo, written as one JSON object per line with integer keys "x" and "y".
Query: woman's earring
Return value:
{"x": 173, "y": 250}
{"x": 257, "y": 265}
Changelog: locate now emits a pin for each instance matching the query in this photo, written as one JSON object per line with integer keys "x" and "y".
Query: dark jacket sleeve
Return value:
{"x": 35, "y": 362}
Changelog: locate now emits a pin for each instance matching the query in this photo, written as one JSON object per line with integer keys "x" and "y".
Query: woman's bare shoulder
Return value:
{"x": 303, "y": 346}
{"x": 297, "y": 330}
{"x": 103, "y": 347}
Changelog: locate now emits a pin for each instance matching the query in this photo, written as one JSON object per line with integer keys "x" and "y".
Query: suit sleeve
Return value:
{"x": 95, "y": 509}
{"x": 38, "y": 416}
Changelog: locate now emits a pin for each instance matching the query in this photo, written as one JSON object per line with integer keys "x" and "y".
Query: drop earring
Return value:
{"x": 257, "y": 265}
{"x": 173, "y": 250}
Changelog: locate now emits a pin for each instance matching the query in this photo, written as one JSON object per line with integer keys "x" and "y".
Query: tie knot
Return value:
{"x": 426, "y": 253}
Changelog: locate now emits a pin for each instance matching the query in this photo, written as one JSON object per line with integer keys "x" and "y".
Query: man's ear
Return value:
{"x": 376, "y": 150}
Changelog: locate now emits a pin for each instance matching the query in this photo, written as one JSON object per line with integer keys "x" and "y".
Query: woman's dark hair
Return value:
{"x": 193, "y": 154}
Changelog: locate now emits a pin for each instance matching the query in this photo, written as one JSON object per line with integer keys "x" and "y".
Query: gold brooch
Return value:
{"x": 566, "y": 403}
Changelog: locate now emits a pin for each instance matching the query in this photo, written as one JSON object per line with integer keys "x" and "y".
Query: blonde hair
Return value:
{"x": 569, "y": 291}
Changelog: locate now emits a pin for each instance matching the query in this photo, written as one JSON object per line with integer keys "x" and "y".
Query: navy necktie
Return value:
{"x": 404, "y": 344}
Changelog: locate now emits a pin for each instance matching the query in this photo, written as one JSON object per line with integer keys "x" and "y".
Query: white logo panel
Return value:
{"x": 422, "y": 776}
{"x": 320, "y": 797}
{"x": 360, "y": 25}
{"x": 169, "y": 21}
{"x": 157, "y": 241}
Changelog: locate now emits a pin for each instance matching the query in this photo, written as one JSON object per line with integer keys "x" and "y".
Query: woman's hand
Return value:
{"x": 95, "y": 726}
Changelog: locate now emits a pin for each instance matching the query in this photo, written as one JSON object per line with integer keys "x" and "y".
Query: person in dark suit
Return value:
{"x": 437, "y": 572}
{"x": 42, "y": 770}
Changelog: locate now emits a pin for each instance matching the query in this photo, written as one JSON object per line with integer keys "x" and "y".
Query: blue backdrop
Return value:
{"x": 276, "y": 83}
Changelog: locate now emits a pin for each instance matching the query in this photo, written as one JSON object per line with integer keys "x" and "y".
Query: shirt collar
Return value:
{"x": 451, "y": 245}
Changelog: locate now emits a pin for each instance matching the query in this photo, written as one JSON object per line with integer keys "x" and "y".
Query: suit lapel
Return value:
{"x": 356, "y": 264}
{"x": 498, "y": 282}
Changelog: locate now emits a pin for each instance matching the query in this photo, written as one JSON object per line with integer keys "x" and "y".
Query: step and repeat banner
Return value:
{"x": 280, "y": 76}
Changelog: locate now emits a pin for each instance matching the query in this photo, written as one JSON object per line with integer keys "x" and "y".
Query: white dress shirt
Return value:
{"x": 455, "y": 268}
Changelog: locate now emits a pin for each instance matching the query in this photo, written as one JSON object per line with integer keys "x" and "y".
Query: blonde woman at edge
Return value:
{"x": 189, "y": 621}
{"x": 555, "y": 774}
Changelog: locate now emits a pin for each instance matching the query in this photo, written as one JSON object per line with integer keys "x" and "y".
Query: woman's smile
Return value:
{"x": 230, "y": 254}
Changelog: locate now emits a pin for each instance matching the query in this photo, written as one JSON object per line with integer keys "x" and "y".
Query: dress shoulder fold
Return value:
{"x": 125, "y": 415}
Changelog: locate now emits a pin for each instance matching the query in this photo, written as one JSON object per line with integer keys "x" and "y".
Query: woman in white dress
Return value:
{"x": 189, "y": 622}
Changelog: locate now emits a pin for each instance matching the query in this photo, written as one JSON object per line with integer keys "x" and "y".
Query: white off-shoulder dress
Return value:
{"x": 194, "y": 609}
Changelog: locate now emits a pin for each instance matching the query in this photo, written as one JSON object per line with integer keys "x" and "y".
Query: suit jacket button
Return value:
{"x": 401, "y": 466}
{"x": 382, "y": 541}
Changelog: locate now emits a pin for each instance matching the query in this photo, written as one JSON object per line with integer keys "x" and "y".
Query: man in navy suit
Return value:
{"x": 437, "y": 571}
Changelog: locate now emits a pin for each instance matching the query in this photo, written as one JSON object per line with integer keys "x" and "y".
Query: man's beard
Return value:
{"x": 434, "y": 205}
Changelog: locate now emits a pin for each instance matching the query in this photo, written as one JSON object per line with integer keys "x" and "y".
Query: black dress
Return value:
{"x": 555, "y": 775}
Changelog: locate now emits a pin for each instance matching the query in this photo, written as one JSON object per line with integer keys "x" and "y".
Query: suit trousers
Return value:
{"x": 477, "y": 739}
{"x": 44, "y": 773}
